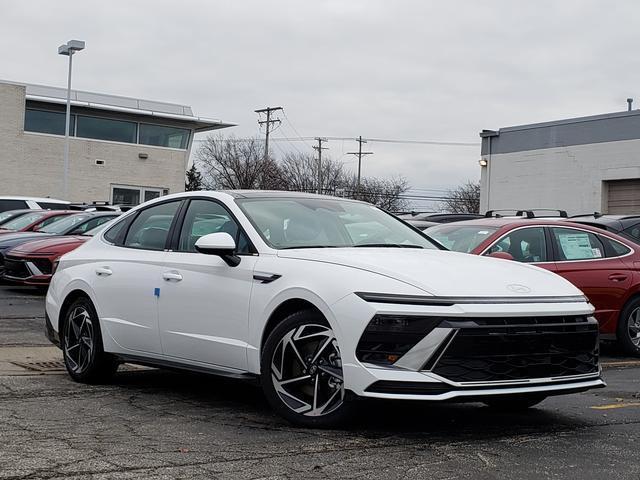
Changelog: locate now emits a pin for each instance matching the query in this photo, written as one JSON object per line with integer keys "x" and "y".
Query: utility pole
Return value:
{"x": 359, "y": 153}
{"x": 268, "y": 123}
{"x": 319, "y": 148}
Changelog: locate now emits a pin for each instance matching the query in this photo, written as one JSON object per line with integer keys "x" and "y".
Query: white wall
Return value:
{"x": 567, "y": 178}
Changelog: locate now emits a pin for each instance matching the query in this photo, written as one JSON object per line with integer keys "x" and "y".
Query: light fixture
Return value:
{"x": 143, "y": 156}
{"x": 483, "y": 162}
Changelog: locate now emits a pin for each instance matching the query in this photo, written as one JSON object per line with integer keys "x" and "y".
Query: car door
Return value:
{"x": 129, "y": 275}
{"x": 204, "y": 303}
{"x": 581, "y": 258}
{"x": 527, "y": 245}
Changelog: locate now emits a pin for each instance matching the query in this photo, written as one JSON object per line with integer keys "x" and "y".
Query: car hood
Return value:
{"x": 10, "y": 240}
{"x": 49, "y": 245}
{"x": 444, "y": 273}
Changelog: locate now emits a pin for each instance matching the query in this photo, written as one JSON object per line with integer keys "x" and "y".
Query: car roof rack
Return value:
{"x": 529, "y": 213}
{"x": 594, "y": 215}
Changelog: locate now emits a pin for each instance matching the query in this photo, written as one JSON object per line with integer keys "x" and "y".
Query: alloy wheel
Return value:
{"x": 306, "y": 371}
{"x": 79, "y": 343}
{"x": 634, "y": 327}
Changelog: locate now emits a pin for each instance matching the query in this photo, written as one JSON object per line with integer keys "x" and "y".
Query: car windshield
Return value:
{"x": 5, "y": 216}
{"x": 321, "y": 223}
{"x": 22, "y": 221}
{"x": 460, "y": 238}
{"x": 64, "y": 224}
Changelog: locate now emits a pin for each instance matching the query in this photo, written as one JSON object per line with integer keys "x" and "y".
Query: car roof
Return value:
{"x": 35, "y": 199}
{"x": 275, "y": 194}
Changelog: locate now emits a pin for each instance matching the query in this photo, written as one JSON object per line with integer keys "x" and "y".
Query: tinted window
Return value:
{"x": 12, "y": 205}
{"x": 164, "y": 136}
{"x": 575, "y": 244}
{"x": 524, "y": 244}
{"x": 150, "y": 228}
{"x": 53, "y": 205}
{"x": 204, "y": 217}
{"x": 44, "y": 121}
{"x": 111, "y": 235}
{"x": 106, "y": 129}
{"x": 613, "y": 248}
{"x": 633, "y": 231}
{"x": 23, "y": 221}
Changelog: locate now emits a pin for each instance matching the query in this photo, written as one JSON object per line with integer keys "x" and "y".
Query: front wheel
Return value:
{"x": 628, "y": 333}
{"x": 81, "y": 339}
{"x": 302, "y": 372}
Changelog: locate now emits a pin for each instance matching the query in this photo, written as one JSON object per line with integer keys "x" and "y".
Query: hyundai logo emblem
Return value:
{"x": 514, "y": 287}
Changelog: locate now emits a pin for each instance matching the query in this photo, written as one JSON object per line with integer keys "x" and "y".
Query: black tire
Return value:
{"x": 513, "y": 403}
{"x": 629, "y": 321}
{"x": 81, "y": 343}
{"x": 324, "y": 374}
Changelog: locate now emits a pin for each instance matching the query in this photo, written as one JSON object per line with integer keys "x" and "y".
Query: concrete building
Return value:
{"x": 122, "y": 150}
{"x": 581, "y": 165}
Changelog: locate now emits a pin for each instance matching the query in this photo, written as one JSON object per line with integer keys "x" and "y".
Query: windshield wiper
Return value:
{"x": 388, "y": 245}
{"x": 308, "y": 246}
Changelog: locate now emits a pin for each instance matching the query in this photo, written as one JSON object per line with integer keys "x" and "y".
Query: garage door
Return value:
{"x": 623, "y": 197}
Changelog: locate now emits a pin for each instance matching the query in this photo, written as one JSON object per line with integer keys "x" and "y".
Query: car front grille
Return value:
{"x": 15, "y": 268}
{"x": 518, "y": 348}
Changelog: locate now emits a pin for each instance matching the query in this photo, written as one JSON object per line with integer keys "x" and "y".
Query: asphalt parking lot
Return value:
{"x": 155, "y": 424}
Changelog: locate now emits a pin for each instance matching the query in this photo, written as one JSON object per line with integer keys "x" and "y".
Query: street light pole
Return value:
{"x": 69, "y": 48}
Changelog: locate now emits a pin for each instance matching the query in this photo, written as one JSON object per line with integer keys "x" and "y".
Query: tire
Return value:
{"x": 513, "y": 403}
{"x": 628, "y": 330}
{"x": 81, "y": 342}
{"x": 304, "y": 347}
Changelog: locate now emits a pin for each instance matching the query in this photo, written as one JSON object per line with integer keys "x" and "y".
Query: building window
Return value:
{"x": 132, "y": 195}
{"x": 163, "y": 136}
{"x": 46, "y": 121}
{"x": 106, "y": 129}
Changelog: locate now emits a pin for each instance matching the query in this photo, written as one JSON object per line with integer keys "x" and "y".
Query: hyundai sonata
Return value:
{"x": 322, "y": 300}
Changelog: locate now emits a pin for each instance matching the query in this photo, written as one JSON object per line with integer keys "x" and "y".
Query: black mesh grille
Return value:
{"x": 43, "y": 264}
{"x": 494, "y": 349}
{"x": 15, "y": 268}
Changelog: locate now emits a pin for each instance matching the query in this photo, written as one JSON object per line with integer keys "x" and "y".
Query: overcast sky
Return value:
{"x": 414, "y": 70}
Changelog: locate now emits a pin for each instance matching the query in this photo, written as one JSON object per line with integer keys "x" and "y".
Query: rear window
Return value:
{"x": 12, "y": 205}
{"x": 461, "y": 238}
{"x": 53, "y": 205}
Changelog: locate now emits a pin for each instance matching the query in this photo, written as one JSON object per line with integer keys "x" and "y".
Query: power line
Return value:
{"x": 372, "y": 140}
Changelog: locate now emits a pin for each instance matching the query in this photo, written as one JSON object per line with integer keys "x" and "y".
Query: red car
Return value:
{"x": 605, "y": 266}
{"x": 31, "y": 222}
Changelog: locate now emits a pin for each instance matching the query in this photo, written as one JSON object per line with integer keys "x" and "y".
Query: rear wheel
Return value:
{"x": 302, "y": 372}
{"x": 514, "y": 403}
{"x": 628, "y": 332}
{"x": 84, "y": 357}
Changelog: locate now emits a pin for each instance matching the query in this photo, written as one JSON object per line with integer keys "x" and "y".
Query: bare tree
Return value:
{"x": 299, "y": 171}
{"x": 387, "y": 194}
{"x": 462, "y": 199}
{"x": 230, "y": 163}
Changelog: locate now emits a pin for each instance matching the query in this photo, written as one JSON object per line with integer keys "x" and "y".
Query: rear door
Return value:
{"x": 581, "y": 258}
{"x": 527, "y": 245}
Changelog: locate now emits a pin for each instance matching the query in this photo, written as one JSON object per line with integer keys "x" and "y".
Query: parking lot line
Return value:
{"x": 613, "y": 406}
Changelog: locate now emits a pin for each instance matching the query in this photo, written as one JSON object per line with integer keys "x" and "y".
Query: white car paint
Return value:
{"x": 211, "y": 316}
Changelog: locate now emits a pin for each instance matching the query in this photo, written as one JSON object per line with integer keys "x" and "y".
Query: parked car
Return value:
{"x": 627, "y": 226}
{"x": 10, "y": 214}
{"x": 33, "y": 203}
{"x": 319, "y": 298}
{"x": 32, "y": 262}
{"x": 33, "y": 221}
{"x": 605, "y": 266}
{"x": 438, "y": 217}
{"x": 72, "y": 223}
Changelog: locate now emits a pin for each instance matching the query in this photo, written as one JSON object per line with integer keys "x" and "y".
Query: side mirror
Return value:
{"x": 502, "y": 255}
{"x": 220, "y": 244}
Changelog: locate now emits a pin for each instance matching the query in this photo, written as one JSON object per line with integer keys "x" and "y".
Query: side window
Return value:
{"x": 633, "y": 231}
{"x": 91, "y": 224}
{"x": 6, "y": 205}
{"x": 151, "y": 227}
{"x": 204, "y": 217}
{"x": 112, "y": 234}
{"x": 53, "y": 206}
{"x": 524, "y": 244}
{"x": 613, "y": 248}
{"x": 576, "y": 244}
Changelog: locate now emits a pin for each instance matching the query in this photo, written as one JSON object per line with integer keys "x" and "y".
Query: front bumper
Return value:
{"x": 26, "y": 271}
{"x": 477, "y": 351}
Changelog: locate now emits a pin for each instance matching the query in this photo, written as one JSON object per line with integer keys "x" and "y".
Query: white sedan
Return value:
{"x": 323, "y": 299}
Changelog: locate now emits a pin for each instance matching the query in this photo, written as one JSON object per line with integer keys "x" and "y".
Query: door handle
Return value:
{"x": 617, "y": 277}
{"x": 103, "y": 271}
{"x": 172, "y": 276}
